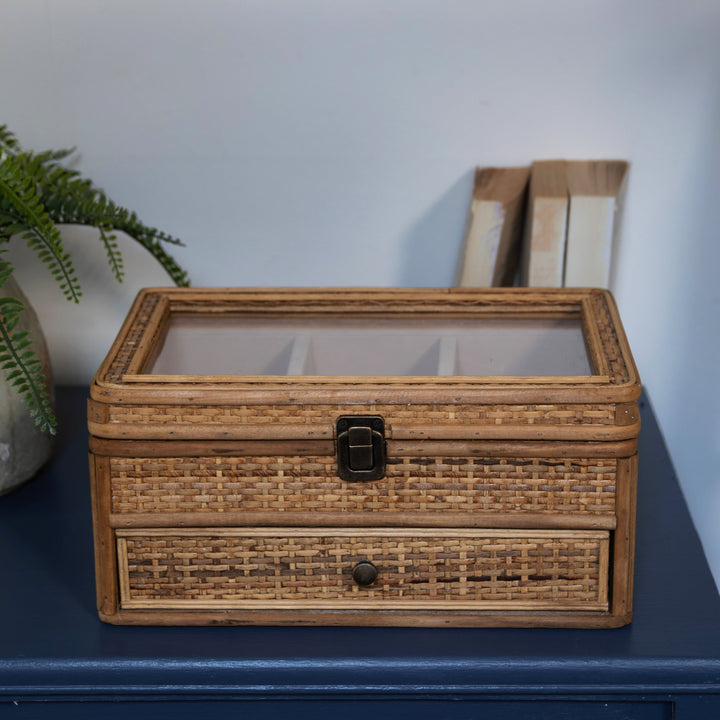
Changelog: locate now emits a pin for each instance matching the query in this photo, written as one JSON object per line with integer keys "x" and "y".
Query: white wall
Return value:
{"x": 313, "y": 142}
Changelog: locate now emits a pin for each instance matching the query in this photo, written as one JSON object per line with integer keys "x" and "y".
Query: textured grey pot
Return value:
{"x": 23, "y": 448}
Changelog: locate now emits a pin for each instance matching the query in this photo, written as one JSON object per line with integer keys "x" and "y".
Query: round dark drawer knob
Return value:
{"x": 364, "y": 573}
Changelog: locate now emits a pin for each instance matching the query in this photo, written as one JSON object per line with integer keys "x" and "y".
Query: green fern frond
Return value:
{"x": 39, "y": 230}
{"x": 8, "y": 141}
{"x": 77, "y": 201}
{"x": 71, "y": 199}
{"x": 18, "y": 360}
{"x": 37, "y": 193}
{"x": 114, "y": 256}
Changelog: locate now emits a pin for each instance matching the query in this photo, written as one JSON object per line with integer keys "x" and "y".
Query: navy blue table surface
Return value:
{"x": 57, "y": 658}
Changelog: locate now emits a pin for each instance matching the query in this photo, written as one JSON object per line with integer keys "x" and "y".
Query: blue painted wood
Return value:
{"x": 362, "y": 709}
{"x": 58, "y": 661}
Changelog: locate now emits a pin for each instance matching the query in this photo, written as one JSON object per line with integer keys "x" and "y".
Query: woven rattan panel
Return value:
{"x": 300, "y": 483}
{"x": 532, "y": 568}
{"x": 126, "y": 352}
{"x": 438, "y": 414}
{"x": 608, "y": 338}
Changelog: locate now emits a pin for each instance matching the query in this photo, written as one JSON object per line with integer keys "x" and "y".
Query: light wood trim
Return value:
{"x": 428, "y": 310}
{"x": 361, "y": 293}
{"x": 104, "y": 539}
{"x": 98, "y": 412}
{"x": 510, "y": 448}
{"x": 528, "y": 302}
{"x": 377, "y": 618}
{"x": 395, "y": 448}
{"x": 234, "y": 431}
{"x": 627, "y": 414}
{"x": 567, "y": 433}
{"x": 291, "y": 392}
{"x": 155, "y": 329}
{"x": 634, "y": 377}
{"x": 96, "y": 518}
{"x": 124, "y": 571}
{"x": 260, "y": 431}
{"x": 119, "y": 342}
{"x": 204, "y": 448}
{"x": 291, "y": 532}
{"x": 593, "y": 342}
{"x": 375, "y": 299}
{"x": 369, "y": 379}
{"x": 351, "y": 604}
{"x": 624, "y": 536}
{"x": 531, "y": 303}
{"x": 604, "y": 571}
{"x": 239, "y": 518}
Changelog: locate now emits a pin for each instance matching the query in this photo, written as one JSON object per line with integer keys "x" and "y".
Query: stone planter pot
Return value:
{"x": 23, "y": 448}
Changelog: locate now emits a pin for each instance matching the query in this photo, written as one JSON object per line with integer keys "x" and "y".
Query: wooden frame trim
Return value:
{"x": 290, "y": 532}
{"x": 395, "y": 448}
{"x": 525, "y": 302}
{"x": 179, "y": 521}
{"x": 377, "y": 618}
{"x": 155, "y": 329}
{"x": 104, "y": 537}
{"x": 299, "y": 606}
{"x": 290, "y": 393}
{"x": 624, "y": 536}
{"x": 239, "y": 431}
{"x": 591, "y": 333}
{"x": 411, "y": 380}
{"x": 147, "y": 347}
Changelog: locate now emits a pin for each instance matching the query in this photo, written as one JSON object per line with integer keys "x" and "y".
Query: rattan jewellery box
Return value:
{"x": 366, "y": 457}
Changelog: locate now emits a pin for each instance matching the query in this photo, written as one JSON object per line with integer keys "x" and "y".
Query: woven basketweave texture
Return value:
{"x": 543, "y": 569}
{"x": 608, "y": 338}
{"x": 300, "y": 483}
{"x": 436, "y": 414}
{"x": 122, "y": 360}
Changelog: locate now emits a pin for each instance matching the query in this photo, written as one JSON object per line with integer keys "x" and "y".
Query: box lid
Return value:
{"x": 436, "y": 364}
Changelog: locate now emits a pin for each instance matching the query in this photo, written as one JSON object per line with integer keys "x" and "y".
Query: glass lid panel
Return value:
{"x": 361, "y": 346}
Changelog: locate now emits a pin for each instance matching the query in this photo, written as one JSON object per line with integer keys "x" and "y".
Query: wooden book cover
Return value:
{"x": 595, "y": 189}
{"x": 543, "y": 256}
{"x": 494, "y": 233}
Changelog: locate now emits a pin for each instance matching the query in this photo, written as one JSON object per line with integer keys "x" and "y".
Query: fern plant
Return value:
{"x": 38, "y": 193}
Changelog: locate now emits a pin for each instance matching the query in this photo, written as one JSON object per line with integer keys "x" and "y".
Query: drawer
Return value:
{"x": 313, "y": 569}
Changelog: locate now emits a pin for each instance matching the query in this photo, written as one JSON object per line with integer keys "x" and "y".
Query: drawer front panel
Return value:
{"x": 577, "y": 486}
{"x": 312, "y": 569}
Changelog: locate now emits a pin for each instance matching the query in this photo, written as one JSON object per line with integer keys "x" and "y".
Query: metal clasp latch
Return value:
{"x": 361, "y": 447}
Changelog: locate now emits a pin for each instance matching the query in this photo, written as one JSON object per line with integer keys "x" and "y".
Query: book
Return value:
{"x": 595, "y": 189}
{"x": 543, "y": 254}
{"x": 494, "y": 234}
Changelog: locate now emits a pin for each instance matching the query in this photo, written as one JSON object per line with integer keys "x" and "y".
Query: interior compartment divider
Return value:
{"x": 299, "y": 355}
{"x": 447, "y": 357}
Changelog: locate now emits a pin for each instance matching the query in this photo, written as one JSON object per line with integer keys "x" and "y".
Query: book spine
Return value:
{"x": 589, "y": 241}
{"x": 545, "y": 242}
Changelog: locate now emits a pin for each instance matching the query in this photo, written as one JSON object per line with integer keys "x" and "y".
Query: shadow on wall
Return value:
{"x": 431, "y": 246}
{"x": 691, "y": 369}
